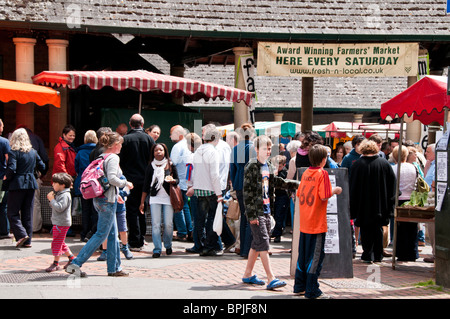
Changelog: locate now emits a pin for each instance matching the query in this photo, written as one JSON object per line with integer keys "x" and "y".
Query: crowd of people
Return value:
{"x": 209, "y": 169}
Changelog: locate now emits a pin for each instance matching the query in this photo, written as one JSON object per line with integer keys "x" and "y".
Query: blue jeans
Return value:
{"x": 183, "y": 220}
{"x": 106, "y": 229}
{"x": 163, "y": 213}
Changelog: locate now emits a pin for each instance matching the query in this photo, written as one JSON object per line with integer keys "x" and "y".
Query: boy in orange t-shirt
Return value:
{"x": 313, "y": 194}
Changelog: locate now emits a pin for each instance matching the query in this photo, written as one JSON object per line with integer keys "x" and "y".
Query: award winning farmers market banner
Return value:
{"x": 337, "y": 59}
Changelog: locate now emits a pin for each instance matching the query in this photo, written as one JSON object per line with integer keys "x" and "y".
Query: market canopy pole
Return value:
{"x": 307, "y": 104}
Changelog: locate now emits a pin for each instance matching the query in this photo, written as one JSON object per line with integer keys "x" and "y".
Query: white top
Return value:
{"x": 224, "y": 166}
{"x": 205, "y": 174}
{"x": 407, "y": 179}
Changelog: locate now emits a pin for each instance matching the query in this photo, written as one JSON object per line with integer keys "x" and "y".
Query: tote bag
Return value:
{"x": 233, "y": 212}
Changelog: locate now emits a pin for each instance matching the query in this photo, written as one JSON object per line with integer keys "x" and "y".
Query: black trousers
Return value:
{"x": 137, "y": 226}
{"x": 371, "y": 242}
{"x": 20, "y": 213}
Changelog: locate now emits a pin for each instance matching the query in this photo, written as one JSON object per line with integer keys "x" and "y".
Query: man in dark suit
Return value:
{"x": 134, "y": 158}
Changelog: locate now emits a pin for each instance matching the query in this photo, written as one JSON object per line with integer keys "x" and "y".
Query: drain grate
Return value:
{"x": 355, "y": 283}
{"x": 17, "y": 278}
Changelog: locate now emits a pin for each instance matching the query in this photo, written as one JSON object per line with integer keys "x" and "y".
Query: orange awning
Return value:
{"x": 25, "y": 93}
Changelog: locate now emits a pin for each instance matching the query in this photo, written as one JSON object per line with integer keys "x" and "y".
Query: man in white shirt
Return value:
{"x": 224, "y": 150}
{"x": 180, "y": 156}
{"x": 207, "y": 187}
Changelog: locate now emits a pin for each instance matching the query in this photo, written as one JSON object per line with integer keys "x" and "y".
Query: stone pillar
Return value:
{"x": 278, "y": 117}
{"x": 177, "y": 71}
{"x": 307, "y": 104}
{"x": 414, "y": 128}
{"x": 357, "y": 118}
{"x": 24, "y": 72}
{"x": 240, "y": 109}
{"x": 57, "y": 61}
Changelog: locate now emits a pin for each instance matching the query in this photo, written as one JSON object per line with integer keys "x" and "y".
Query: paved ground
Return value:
{"x": 188, "y": 276}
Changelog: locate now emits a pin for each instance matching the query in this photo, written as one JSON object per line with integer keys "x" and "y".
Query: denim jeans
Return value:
{"x": 106, "y": 229}
{"x": 183, "y": 219}
{"x": 162, "y": 213}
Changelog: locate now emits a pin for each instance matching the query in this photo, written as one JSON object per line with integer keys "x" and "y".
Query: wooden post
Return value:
{"x": 307, "y": 104}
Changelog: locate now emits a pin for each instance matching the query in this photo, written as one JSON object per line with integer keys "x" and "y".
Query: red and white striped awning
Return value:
{"x": 143, "y": 81}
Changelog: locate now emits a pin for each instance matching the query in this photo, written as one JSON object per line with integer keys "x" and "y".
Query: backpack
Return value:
{"x": 93, "y": 180}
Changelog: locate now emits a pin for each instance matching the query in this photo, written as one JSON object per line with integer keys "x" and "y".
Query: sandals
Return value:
{"x": 253, "y": 280}
{"x": 276, "y": 283}
{"x": 21, "y": 241}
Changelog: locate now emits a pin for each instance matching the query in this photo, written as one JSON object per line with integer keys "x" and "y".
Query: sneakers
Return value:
{"x": 102, "y": 256}
{"x": 75, "y": 270}
{"x": 126, "y": 251}
{"x": 123, "y": 248}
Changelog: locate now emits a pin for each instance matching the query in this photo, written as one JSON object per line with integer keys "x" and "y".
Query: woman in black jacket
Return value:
{"x": 160, "y": 173}
{"x": 21, "y": 182}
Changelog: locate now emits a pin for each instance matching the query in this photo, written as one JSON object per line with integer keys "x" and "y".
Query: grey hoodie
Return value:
{"x": 61, "y": 208}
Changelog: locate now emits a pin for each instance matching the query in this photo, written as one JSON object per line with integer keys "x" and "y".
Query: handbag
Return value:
{"x": 176, "y": 198}
{"x": 421, "y": 185}
{"x": 233, "y": 212}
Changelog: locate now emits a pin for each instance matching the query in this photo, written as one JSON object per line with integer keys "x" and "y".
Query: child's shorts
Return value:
{"x": 121, "y": 221}
{"x": 261, "y": 233}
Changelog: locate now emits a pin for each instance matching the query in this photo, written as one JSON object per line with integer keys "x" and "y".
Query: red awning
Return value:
{"x": 26, "y": 93}
{"x": 425, "y": 101}
{"x": 143, "y": 81}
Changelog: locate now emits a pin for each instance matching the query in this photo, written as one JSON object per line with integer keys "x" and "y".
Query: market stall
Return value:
{"x": 277, "y": 128}
{"x": 426, "y": 101}
{"x": 337, "y": 131}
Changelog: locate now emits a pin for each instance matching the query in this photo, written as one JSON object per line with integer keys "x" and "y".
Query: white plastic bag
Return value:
{"x": 218, "y": 219}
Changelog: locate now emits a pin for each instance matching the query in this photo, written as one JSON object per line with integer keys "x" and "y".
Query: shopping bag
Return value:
{"x": 218, "y": 219}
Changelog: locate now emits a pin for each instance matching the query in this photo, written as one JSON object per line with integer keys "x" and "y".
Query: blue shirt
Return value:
{"x": 180, "y": 156}
{"x": 429, "y": 178}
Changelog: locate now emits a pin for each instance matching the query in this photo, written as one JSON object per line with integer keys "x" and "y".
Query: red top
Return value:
{"x": 64, "y": 158}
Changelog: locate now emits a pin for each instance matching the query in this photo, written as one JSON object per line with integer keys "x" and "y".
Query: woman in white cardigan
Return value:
{"x": 106, "y": 208}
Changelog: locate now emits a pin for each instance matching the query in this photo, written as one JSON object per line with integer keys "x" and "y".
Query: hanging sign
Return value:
{"x": 337, "y": 59}
{"x": 247, "y": 69}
